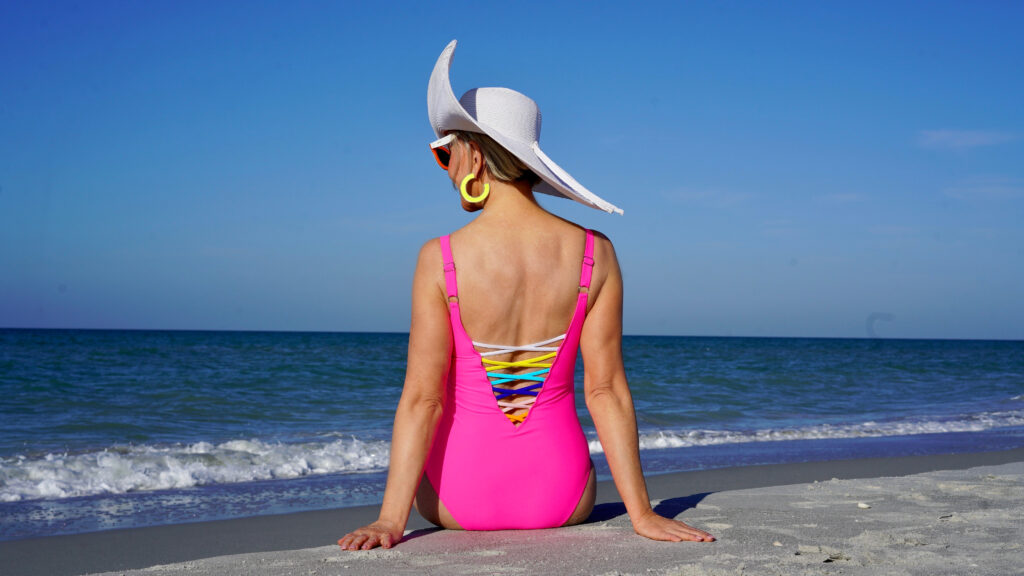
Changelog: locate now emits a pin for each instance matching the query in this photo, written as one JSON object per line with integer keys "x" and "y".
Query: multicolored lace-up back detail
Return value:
{"x": 516, "y": 384}
{"x": 516, "y": 392}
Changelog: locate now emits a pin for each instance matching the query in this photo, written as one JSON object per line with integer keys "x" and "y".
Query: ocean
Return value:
{"x": 105, "y": 429}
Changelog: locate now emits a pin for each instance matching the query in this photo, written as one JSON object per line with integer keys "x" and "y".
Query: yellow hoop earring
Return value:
{"x": 465, "y": 193}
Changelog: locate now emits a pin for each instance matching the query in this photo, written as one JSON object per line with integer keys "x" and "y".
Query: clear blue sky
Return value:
{"x": 786, "y": 169}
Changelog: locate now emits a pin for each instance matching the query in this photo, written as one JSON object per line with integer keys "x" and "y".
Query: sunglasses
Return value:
{"x": 442, "y": 150}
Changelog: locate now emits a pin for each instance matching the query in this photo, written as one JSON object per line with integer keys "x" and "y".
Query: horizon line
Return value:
{"x": 265, "y": 331}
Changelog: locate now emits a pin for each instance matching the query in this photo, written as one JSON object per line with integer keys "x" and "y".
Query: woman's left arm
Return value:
{"x": 611, "y": 404}
{"x": 419, "y": 408}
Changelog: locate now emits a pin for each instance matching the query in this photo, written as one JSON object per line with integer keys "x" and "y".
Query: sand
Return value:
{"x": 886, "y": 517}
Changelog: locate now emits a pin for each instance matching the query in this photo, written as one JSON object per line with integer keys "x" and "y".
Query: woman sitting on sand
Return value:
{"x": 494, "y": 426}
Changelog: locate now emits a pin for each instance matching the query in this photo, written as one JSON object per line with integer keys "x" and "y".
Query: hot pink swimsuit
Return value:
{"x": 490, "y": 473}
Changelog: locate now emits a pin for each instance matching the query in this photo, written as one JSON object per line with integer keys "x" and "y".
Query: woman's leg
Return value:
{"x": 586, "y": 503}
{"x": 432, "y": 509}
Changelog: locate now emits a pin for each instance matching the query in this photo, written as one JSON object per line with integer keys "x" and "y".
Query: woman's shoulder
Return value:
{"x": 431, "y": 247}
{"x": 604, "y": 250}
{"x": 430, "y": 255}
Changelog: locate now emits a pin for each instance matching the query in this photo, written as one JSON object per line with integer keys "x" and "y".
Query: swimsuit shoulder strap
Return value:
{"x": 588, "y": 261}
{"x": 450, "y": 284}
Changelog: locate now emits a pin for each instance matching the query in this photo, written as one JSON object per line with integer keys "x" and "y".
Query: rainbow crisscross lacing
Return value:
{"x": 516, "y": 393}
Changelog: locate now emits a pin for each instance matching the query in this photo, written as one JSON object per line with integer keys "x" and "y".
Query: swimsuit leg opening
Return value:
{"x": 587, "y": 499}
{"x": 432, "y": 508}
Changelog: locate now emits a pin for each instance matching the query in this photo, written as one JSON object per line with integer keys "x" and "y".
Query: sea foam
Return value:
{"x": 658, "y": 439}
{"x": 122, "y": 469}
{"x": 135, "y": 468}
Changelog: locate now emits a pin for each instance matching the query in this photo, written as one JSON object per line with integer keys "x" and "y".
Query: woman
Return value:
{"x": 486, "y": 436}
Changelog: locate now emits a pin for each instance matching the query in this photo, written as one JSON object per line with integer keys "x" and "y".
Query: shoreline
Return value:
{"x": 137, "y": 548}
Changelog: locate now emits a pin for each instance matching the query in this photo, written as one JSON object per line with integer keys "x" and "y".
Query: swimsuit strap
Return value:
{"x": 450, "y": 284}
{"x": 588, "y": 261}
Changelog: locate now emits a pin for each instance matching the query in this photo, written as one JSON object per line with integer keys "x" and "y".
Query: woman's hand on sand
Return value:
{"x": 380, "y": 533}
{"x": 657, "y": 527}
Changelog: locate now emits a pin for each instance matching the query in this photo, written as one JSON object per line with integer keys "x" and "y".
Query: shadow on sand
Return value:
{"x": 669, "y": 508}
{"x": 421, "y": 532}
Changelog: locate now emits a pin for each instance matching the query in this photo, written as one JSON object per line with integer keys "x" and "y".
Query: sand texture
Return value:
{"x": 945, "y": 522}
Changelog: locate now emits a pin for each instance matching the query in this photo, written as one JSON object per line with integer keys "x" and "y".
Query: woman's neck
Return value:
{"x": 511, "y": 200}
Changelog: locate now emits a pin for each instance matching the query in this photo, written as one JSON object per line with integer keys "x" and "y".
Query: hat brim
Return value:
{"x": 446, "y": 114}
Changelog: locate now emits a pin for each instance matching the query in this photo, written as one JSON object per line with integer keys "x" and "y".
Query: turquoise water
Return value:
{"x": 107, "y": 429}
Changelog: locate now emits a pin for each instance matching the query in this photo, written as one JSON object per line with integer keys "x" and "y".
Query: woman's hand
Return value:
{"x": 380, "y": 533}
{"x": 657, "y": 527}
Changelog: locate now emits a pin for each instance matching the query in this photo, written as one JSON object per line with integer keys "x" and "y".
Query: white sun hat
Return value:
{"x": 512, "y": 120}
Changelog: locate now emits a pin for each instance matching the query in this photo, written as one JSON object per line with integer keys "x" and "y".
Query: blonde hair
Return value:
{"x": 501, "y": 163}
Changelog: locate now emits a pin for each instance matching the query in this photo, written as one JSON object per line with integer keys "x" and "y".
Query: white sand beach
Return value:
{"x": 944, "y": 522}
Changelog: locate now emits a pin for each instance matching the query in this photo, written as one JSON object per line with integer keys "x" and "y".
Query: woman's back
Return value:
{"x": 518, "y": 283}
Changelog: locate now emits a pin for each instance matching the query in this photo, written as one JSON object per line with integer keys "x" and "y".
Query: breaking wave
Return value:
{"x": 122, "y": 469}
{"x": 657, "y": 439}
{"x": 135, "y": 468}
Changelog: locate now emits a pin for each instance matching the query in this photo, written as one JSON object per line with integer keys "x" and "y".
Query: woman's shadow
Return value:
{"x": 669, "y": 508}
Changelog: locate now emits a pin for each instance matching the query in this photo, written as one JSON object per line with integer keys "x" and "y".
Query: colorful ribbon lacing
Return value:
{"x": 505, "y": 385}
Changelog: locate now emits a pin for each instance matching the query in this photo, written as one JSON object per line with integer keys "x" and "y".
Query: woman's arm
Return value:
{"x": 611, "y": 405}
{"x": 420, "y": 407}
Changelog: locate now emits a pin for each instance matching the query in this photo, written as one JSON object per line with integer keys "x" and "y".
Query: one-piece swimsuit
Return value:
{"x": 490, "y": 473}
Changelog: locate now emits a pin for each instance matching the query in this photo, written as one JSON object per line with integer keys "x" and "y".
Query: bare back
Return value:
{"x": 518, "y": 284}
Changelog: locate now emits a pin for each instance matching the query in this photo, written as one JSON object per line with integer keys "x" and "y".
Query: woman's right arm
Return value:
{"x": 611, "y": 405}
{"x": 420, "y": 406}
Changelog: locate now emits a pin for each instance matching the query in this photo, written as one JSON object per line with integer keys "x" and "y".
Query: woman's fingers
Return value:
{"x": 367, "y": 537}
{"x": 657, "y": 527}
{"x": 355, "y": 541}
{"x": 690, "y": 533}
{"x": 697, "y": 537}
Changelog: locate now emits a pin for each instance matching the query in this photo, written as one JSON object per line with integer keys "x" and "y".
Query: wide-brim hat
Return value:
{"x": 510, "y": 118}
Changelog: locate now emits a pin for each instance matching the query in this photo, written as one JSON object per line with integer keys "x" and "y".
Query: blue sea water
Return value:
{"x": 110, "y": 429}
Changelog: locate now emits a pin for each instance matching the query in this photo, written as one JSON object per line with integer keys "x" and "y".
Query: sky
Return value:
{"x": 806, "y": 169}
